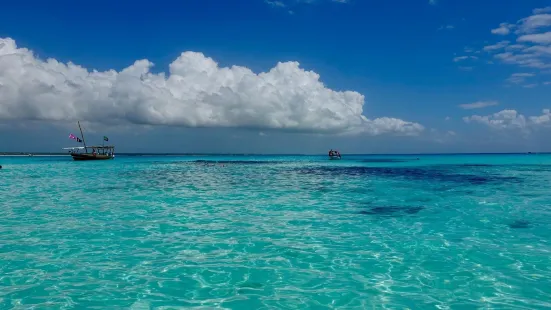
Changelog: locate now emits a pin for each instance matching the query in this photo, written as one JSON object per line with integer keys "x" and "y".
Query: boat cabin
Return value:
{"x": 102, "y": 150}
{"x": 76, "y": 149}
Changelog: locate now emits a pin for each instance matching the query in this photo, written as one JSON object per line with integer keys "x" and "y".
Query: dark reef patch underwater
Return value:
{"x": 519, "y": 224}
{"x": 387, "y": 160}
{"x": 429, "y": 173}
{"x": 392, "y": 210}
{"x": 237, "y": 162}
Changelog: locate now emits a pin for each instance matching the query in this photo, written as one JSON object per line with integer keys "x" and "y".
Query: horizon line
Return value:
{"x": 276, "y": 154}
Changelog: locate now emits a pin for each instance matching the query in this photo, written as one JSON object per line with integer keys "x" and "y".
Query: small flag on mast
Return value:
{"x": 71, "y": 136}
{"x": 105, "y": 138}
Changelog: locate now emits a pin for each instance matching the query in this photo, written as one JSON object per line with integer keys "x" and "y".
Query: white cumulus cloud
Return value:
{"x": 511, "y": 119}
{"x": 460, "y": 58}
{"x": 538, "y": 38}
{"x": 449, "y": 27}
{"x": 503, "y": 29}
{"x": 276, "y": 3}
{"x": 478, "y": 105}
{"x": 519, "y": 78}
{"x": 534, "y": 22}
{"x": 544, "y": 119}
{"x": 542, "y": 10}
{"x": 533, "y": 36}
{"x": 505, "y": 119}
{"x": 497, "y": 46}
{"x": 196, "y": 92}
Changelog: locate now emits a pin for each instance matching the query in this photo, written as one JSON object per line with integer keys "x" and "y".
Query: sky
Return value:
{"x": 288, "y": 76}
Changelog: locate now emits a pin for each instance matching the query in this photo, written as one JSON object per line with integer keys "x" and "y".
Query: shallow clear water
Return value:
{"x": 268, "y": 232}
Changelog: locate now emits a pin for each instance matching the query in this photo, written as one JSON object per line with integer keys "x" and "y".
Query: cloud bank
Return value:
{"x": 196, "y": 92}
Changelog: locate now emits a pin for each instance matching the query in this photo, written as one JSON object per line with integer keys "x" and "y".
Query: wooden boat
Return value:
{"x": 98, "y": 153}
{"x": 102, "y": 152}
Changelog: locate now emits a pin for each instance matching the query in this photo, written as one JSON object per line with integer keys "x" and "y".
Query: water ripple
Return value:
{"x": 275, "y": 233}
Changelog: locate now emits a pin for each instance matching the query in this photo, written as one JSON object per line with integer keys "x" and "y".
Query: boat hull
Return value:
{"x": 334, "y": 158}
{"x": 91, "y": 157}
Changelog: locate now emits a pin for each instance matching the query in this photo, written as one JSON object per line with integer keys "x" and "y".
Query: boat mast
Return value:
{"x": 82, "y": 135}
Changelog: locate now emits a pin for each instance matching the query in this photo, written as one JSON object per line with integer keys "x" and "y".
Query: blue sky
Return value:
{"x": 407, "y": 58}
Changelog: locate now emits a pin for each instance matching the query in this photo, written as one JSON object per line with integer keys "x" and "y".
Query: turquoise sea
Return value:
{"x": 276, "y": 232}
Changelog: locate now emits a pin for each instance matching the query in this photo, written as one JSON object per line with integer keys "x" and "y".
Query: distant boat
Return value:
{"x": 334, "y": 155}
{"x": 102, "y": 152}
{"x": 98, "y": 152}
